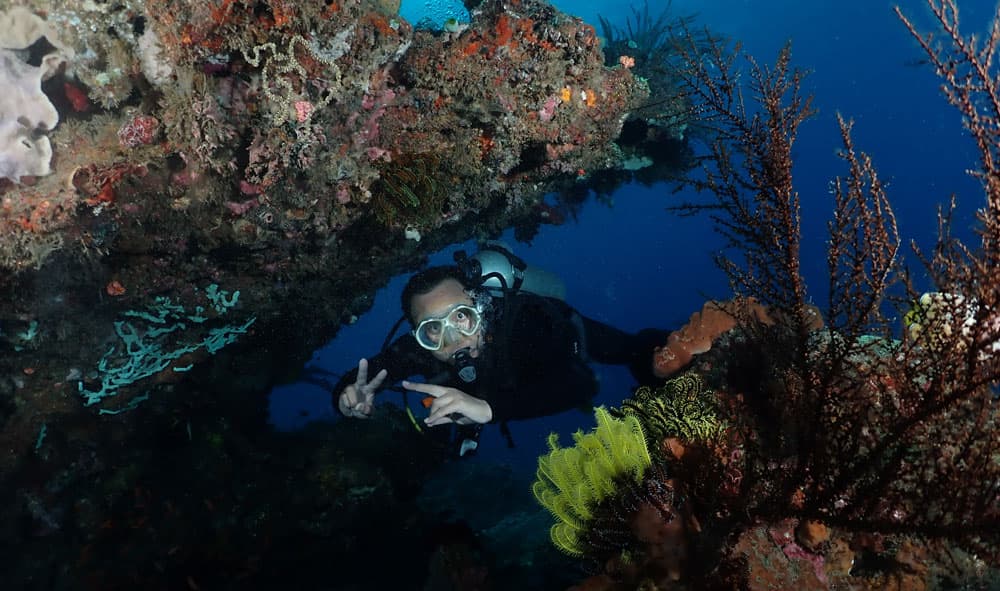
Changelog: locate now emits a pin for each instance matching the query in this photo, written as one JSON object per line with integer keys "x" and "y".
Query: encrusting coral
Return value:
{"x": 714, "y": 320}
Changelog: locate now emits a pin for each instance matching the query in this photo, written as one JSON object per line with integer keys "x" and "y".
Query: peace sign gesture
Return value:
{"x": 357, "y": 399}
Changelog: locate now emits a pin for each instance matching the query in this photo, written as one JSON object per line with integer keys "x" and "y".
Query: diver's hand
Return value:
{"x": 449, "y": 402}
{"x": 357, "y": 399}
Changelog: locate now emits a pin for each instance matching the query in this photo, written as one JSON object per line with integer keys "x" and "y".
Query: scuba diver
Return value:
{"x": 495, "y": 342}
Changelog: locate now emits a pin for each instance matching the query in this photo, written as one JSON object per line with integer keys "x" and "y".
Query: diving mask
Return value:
{"x": 432, "y": 332}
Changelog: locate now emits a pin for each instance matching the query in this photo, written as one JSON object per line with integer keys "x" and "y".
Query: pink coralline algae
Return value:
{"x": 141, "y": 130}
{"x": 785, "y": 539}
{"x": 374, "y": 154}
{"x": 370, "y": 101}
{"x": 238, "y": 208}
{"x": 549, "y": 108}
{"x": 303, "y": 110}
{"x": 343, "y": 195}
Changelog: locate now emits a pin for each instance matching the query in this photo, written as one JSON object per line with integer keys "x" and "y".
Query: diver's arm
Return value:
{"x": 562, "y": 386}
{"x": 607, "y": 344}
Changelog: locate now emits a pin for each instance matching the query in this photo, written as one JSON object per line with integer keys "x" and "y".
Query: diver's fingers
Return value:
{"x": 357, "y": 395}
{"x": 353, "y": 404}
{"x": 361, "y": 410}
{"x": 362, "y": 374}
{"x": 429, "y": 389}
{"x": 441, "y": 409}
{"x": 367, "y": 396}
{"x": 375, "y": 383}
{"x": 346, "y": 402}
{"x": 441, "y": 421}
{"x": 441, "y": 416}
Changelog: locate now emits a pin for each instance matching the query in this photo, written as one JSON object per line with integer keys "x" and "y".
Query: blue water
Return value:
{"x": 636, "y": 265}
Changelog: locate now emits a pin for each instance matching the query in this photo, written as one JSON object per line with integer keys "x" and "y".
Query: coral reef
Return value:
{"x": 161, "y": 156}
{"x": 139, "y": 519}
{"x": 279, "y": 150}
{"x": 646, "y": 45}
{"x": 846, "y": 455}
{"x": 704, "y": 326}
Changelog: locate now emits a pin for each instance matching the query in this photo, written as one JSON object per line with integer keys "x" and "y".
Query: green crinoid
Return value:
{"x": 572, "y": 481}
{"x": 683, "y": 407}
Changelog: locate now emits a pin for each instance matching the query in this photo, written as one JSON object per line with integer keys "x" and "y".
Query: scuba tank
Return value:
{"x": 500, "y": 272}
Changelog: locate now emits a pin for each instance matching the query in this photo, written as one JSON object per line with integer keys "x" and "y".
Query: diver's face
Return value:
{"x": 437, "y": 303}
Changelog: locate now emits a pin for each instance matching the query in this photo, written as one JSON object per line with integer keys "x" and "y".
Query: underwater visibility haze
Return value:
{"x": 209, "y": 210}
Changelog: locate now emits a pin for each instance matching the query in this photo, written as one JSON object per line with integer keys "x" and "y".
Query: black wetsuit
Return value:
{"x": 534, "y": 362}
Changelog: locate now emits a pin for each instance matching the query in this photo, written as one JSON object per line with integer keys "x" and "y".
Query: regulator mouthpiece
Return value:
{"x": 465, "y": 364}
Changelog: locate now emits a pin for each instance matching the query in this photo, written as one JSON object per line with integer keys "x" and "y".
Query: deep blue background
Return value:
{"x": 635, "y": 265}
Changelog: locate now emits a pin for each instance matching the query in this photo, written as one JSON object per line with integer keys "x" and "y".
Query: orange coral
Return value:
{"x": 221, "y": 12}
{"x": 282, "y": 13}
{"x": 115, "y": 288}
{"x": 472, "y": 48}
{"x": 36, "y": 221}
{"x": 99, "y": 182}
{"x": 331, "y": 9}
{"x": 590, "y": 38}
{"x": 714, "y": 319}
{"x": 381, "y": 24}
{"x": 526, "y": 27}
{"x": 504, "y": 32}
{"x": 485, "y": 145}
{"x": 811, "y": 533}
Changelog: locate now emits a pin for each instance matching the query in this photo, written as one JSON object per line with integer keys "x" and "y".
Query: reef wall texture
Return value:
{"x": 194, "y": 196}
{"x": 176, "y": 176}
